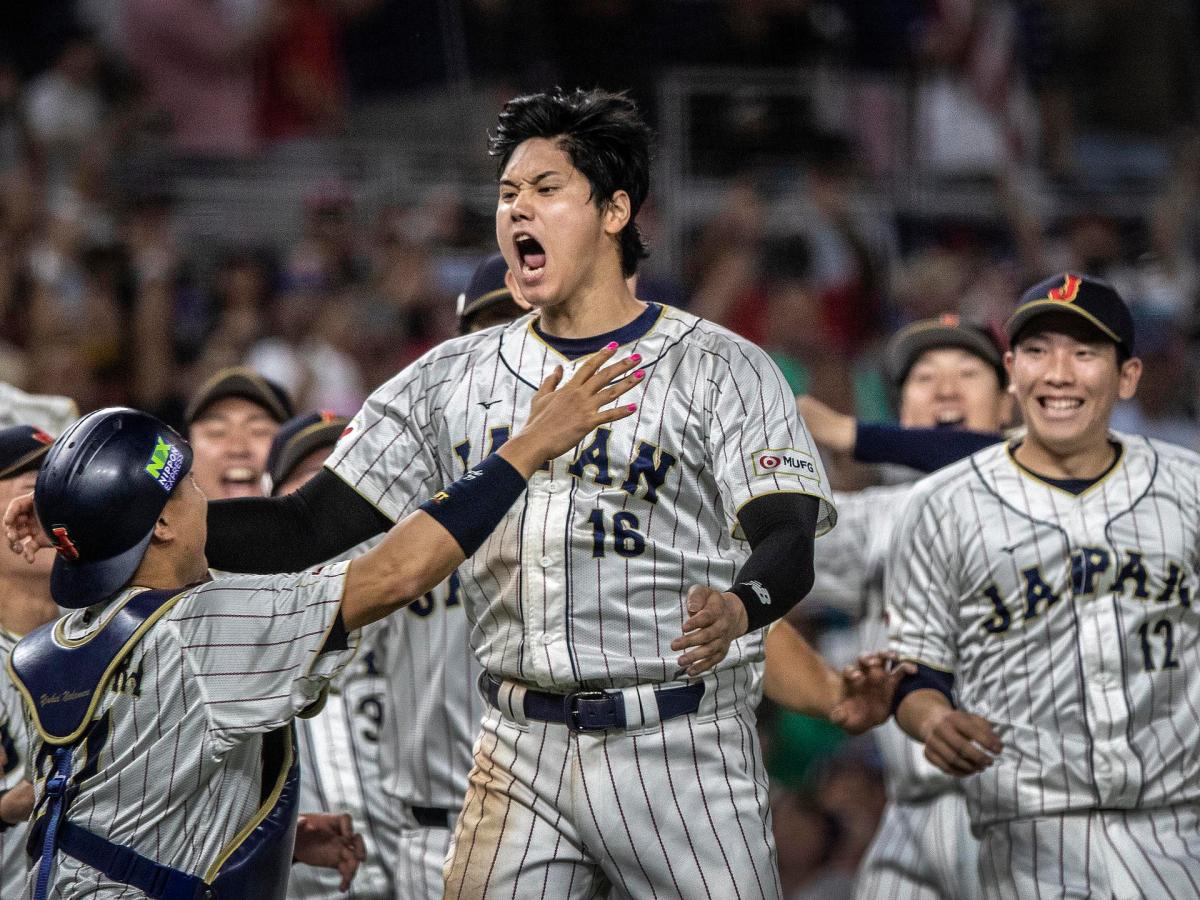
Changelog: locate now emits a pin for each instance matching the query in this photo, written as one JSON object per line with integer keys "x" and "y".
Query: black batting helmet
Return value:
{"x": 98, "y": 496}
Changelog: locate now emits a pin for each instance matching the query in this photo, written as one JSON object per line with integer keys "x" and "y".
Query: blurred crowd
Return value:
{"x": 1075, "y": 119}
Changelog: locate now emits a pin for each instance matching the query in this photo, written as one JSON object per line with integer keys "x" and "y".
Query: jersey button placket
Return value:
{"x": 552, "y": 567}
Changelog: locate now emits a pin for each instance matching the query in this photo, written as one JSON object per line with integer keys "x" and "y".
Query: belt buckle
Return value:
{"x": 586, "y": 711}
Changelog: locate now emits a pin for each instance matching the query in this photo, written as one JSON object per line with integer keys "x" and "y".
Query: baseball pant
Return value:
{"x": 673, "y": 809}
{"x": 923, "y": 850}
{"x": 420, "y": 858}
{"x": 1123, "y": 854}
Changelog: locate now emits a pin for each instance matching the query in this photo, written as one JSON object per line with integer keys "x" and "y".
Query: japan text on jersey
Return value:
{"x": 584, "y": 581}
{"x": 1067, "y": 620}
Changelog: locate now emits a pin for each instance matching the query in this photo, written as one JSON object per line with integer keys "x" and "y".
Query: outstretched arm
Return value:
{"x": 798, "y": 678}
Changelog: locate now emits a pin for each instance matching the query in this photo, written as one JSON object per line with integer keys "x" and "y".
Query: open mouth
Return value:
{"x": 239, "y": 481}
{"x": 1060, "y": 404}
{"x": 531, "y": 254}
{"x": 950, "y": 419}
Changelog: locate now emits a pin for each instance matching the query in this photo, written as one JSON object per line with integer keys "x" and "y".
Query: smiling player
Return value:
{"x": 1044, "y": 588}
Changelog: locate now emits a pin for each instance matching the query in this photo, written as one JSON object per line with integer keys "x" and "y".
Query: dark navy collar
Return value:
{"x": 1074, "y": 486}
{"x": 573, "y": 348}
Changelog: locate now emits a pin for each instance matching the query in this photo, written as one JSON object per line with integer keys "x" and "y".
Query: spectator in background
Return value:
{"x": 220, "y": 334}
{"x": 197, "y": 60}
{"x": 1119, "y": 84}
{"x": 310, "y": 349}
{"x": 328, "y": 252}
{"x": 301, "y": 81}
{"x": 1164, "y": 406}
{"x": 14, "y": 126}
{"x": 64, "y": 108}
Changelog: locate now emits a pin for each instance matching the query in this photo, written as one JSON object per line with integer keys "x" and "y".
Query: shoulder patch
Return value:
{"x": 788, "y": 461}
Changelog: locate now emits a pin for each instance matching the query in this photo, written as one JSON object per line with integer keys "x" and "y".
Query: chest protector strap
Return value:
{"x": 62, "y": 682}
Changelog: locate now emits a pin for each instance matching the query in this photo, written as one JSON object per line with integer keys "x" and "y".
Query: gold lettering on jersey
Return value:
{"x": 63, "y": 697}
{"x": 1094, "y": 572}
{"x": 127, "y": 681}
{"x": 1038, "y": 595}
{"x": 645, "y": 473}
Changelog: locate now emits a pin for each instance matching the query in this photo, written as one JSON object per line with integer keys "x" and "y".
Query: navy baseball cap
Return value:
{"x": 947, "y": 330}
{"x": 1093, "y": 300}
{"x": 241, "y": 381}
{"x": 296, "y": 439}
{"x": 22, "y": 448}
{"x": 98, "y": 496}
{"x": 485, "y": 291}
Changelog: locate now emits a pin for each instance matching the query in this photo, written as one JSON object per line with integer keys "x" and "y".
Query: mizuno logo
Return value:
{"x": 488, "y": 404}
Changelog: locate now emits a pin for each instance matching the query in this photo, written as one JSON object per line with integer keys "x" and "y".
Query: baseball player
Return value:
{"x": 24, "y": 605}
{"x": 338, "y": 748}
{"x": 231, "y": 421}
{"x": 949, "y": 372}
{"x": 163, "y": 760}
{"x": 618, "y": 612}
{"x": 1045, "y": 589}
{"x": 592, "y": 723}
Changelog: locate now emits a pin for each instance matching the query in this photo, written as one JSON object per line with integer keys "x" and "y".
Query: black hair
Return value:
{"x": 603, "y": 135}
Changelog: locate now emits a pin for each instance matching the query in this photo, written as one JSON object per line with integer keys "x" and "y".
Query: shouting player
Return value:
{"x": 605, "y": 674}
{"x": 618, "y": 611}
{"x": 164, "y": 758}
{"x": 949, "y": 373}
{"x": 1045, "y": 589}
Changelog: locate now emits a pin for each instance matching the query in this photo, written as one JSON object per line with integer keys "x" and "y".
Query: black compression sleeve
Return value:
{"x": 781, "y": 529}
{"x": 263, "y": 535}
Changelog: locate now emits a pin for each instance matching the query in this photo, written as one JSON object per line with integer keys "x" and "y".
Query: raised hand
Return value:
{"x": 561, "y": 417}
{"x": 22, "y": 529}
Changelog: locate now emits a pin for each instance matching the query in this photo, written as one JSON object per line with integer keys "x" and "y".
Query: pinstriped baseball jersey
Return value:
{"x": 1067, "y": 621}
{"x": 171, "y": 764}
{"x": 339, "y": 763}
{"x": 433, "y": 705}
{"x": 850, "y": 563}
{"x": 583, "y": 583}
{"x": 14, "y": 738}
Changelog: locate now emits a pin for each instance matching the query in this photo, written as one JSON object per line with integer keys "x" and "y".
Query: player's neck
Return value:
{"x": 1090, "y": 462}
{"x": 161, "y": 569}
{"x": 591, "y": 311}
{"x": 24, "y": 607}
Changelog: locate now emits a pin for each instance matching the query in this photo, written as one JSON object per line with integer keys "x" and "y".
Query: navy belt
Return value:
{"x": 596, "y": 710}
{"x": 431, "y": 817}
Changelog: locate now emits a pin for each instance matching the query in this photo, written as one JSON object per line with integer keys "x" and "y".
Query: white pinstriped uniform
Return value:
{"x": 1068, "y": 622}
{"x": 923, "y": 849}
{"x": 14, "y": 738}
{"x": 339, "y": 764}
{"x": 432, "y": 714}
{"x": 583, "y": 585}
{"x": 172, "y": 768}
